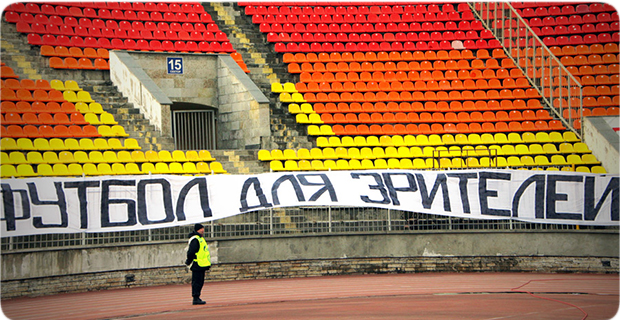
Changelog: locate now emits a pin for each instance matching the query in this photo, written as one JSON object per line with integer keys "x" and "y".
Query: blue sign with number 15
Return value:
{"x": 175, "y": 65}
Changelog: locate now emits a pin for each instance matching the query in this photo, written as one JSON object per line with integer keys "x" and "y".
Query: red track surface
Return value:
{"x": 403, "y": 296}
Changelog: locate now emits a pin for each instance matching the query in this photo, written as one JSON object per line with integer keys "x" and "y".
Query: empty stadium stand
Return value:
{"x": 376, "y": 85}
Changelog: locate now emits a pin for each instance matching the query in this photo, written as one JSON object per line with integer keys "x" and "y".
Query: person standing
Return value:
{"x": 198, "y": 260}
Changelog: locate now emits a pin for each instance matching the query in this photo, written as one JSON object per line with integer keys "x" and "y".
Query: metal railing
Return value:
{"x": 287, "y": 221}
{"x": 559, "y": 89}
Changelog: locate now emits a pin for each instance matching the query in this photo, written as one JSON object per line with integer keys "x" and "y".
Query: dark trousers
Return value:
{"x": 198, "y": 280}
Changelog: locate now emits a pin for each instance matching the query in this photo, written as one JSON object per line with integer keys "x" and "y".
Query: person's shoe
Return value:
{"x": 198, "y": 301}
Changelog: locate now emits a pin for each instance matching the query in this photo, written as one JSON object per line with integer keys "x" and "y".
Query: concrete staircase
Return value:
{"x": 265, "y": 67}
{"x": 240, "y": 161}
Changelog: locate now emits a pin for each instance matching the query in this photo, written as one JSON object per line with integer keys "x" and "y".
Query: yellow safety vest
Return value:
{"x": 203, "y": 257}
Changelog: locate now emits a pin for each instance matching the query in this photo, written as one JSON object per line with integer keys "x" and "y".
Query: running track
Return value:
{"x": 394, "y": 296}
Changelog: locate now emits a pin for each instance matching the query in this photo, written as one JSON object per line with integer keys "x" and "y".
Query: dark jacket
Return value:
{"x": 194, "y": 246}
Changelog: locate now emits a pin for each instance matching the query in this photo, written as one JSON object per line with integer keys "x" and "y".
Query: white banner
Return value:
{"x": 121, "y": 203}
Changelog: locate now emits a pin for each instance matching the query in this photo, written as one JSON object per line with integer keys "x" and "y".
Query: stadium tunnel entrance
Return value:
{"x": 194, "y": 126}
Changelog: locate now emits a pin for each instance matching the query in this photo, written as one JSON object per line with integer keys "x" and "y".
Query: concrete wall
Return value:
{"x": 208, "y": 79}
{"x": 45, "y": 263}
{"x": 41, "y": 272}
{"x": 140, "y": 90}
{"x": 603, "y": 141}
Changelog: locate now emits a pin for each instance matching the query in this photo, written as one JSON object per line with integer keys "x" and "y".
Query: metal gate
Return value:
{"x": 194, "y": 129}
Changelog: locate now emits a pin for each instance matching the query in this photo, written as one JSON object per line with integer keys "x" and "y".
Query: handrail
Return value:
{"x": 559, "y": 89}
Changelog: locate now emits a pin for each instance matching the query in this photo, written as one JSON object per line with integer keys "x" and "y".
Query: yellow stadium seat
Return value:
{"x": 556, "y": 137}
{"x": 203, "y": 167}
{"x": 132, "y": 168}
{"x": 71, "y": 85}
{"x": 176, "y": 168}
{"x": 406, "y": 164}
{"x": 329, "y": 153}
{"x": 372, "y": 141}
{"x": 277, "y": 87}
{"x": 541, "y": 161}
{"x": 119, "y": 131}
{"x": 289, "y": 154}
{"x": 81, "y": 157}
{"x": 205, "y": 155}
{"x": 264, "y": 155}
{"x": 316, "y": 154}
{"x": 161, "y": 168}
{"x": 25, "y": 170}
{"x": 385, "y": 141}
{"x": 290, "y": 165}
{"x": 107, "y": 118}
{"x": 138, "y": 156}
{"x": 314, "y": 130}
{"x": 110, "y": 156}
{"x": 582, "y": 169}
{"x": 164, "y": 156}
{"x": 118, "y": 169}
{"x": 334, "y": 142}
{"x": 581, "y": 147}
{"x": 45, "y": 170}
{"x": 124, "y": 156}
{"x": 35, "y": 157}
{"x": 192, "y": 155}
{"x": 513, "y": 161}
{"x": 61, "y": 169}
{"x": 360, "y": 141}
{"x": 24, "y": 144}
{"x": 75, "y": 169}
{"x": 317, "y": 165}
{"x": 515, "y": 138}
{"x": 131, "y": 143}
{"x": 393, "y": 163}
{"x": 342, "y": 164}
{"x": 216, "y": 167}
{"x": 104, "y": 169}
{"x": 190, "y": 168}
{"x": 151, "y": 156}
{"x": 558, "y": 160}
{"x": 306, "y": 108}
{"x": 17, "y": 157}
{"x": 589, "y": 159}
{"x": 570, "y": 136}
{"x": 50, "y": 157}
{"x": 598, "y": 169}
{"x": 8, "y": 144}
{"x": 304, "y": 154}
{"x": 294, "y": 108}
{"x": 8, "y": 171}
{"x": 92, "y": 119}
{"x": 330, "y": 165}
{"x": 101, "y": 144}
{"x": 381, "y": 164}
{"x": 96, "y": 157}
{"x": 355, "y": 164}
{"x": 304, "y": 165}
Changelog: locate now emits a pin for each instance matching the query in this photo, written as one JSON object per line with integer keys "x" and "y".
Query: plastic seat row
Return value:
{"x": 434, "y": 128}
{"x": 39, "y": 106}
{"x": 47, "y": 118}
{"x": 456, "y": 79}
{"x": 101, "y": 155}
{"x": 363, "y": 8}
{"x": 585, "y": 39}
{"x": 556, "y": 8}
{"x": 567, "y": 138}
{"x": 296, "y": 36}
{"x": 576, "y": 29}
{"x": 428, "y": 152}
{"x": 592, "y": 59}
{"x": 294, "y": 47}
{"x": 64, "y": 36}
{"x": 324, "y": 24}
{"x": 432, "y": 85}
{"x": 104, "y": 14}
{"x": 584, "y": 49}
{"x": 430, "y": 55}
{"x": 75, "y": 52}
{"x": 573, "y": 20}
{"x": 91, "y": 169}
{"x": 68, "y": 144}
{"x": 609, "y": 110}
{"x": 425, "y": 117}
{"x": 34, "y": 8}
{"x": 365, "y": 18}
{"x": 429, "y": 106}
{"x": 81, "y": 63}
{"x": 51, "y": 131}
{"x": 8, "y": 94}
{"x": 107, "y": 43}
{"x": 413, "y": 96}
{"x": 424, "y": 164}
